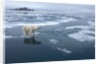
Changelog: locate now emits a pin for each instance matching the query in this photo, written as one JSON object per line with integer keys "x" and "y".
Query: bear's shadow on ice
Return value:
{"x": 31, "y": 41}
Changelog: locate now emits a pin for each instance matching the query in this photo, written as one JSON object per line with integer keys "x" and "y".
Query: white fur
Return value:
{"x": 28, "y": 31}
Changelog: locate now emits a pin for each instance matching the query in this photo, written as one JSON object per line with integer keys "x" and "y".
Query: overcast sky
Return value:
{"x": 49, "y": 6}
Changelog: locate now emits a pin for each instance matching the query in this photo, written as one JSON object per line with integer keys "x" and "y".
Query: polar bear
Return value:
{"x": 28, "y": 31}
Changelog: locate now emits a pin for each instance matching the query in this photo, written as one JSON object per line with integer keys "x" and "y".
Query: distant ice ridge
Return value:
{"x": 47, "y": 23}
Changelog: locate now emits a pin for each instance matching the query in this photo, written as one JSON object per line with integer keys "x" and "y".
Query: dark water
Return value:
{"x": 52, "y": 42}
{"x": 19, "y": 51}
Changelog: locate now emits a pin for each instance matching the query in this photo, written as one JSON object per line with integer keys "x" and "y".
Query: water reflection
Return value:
{"x": 31, "y": 41}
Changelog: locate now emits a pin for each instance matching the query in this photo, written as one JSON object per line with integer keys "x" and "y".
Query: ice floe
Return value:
{"x": 54, "y": 41}
{"x": 80, "y": 27}
{"x": 64, "y": 50}
{"x": 36, "y": 33}
{"x": 91, "y": 25}
{"x": 83, "y": 35}
{"x": 68, "y": 20}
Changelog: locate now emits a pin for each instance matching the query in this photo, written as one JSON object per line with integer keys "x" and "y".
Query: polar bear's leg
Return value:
{"x": 26, "y": 30}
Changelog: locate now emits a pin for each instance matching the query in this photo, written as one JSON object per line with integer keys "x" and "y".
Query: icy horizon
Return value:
{"x": 51, "y": 6}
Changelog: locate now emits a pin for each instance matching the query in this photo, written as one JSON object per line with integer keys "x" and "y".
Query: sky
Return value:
{"x": 49, "y": 6}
